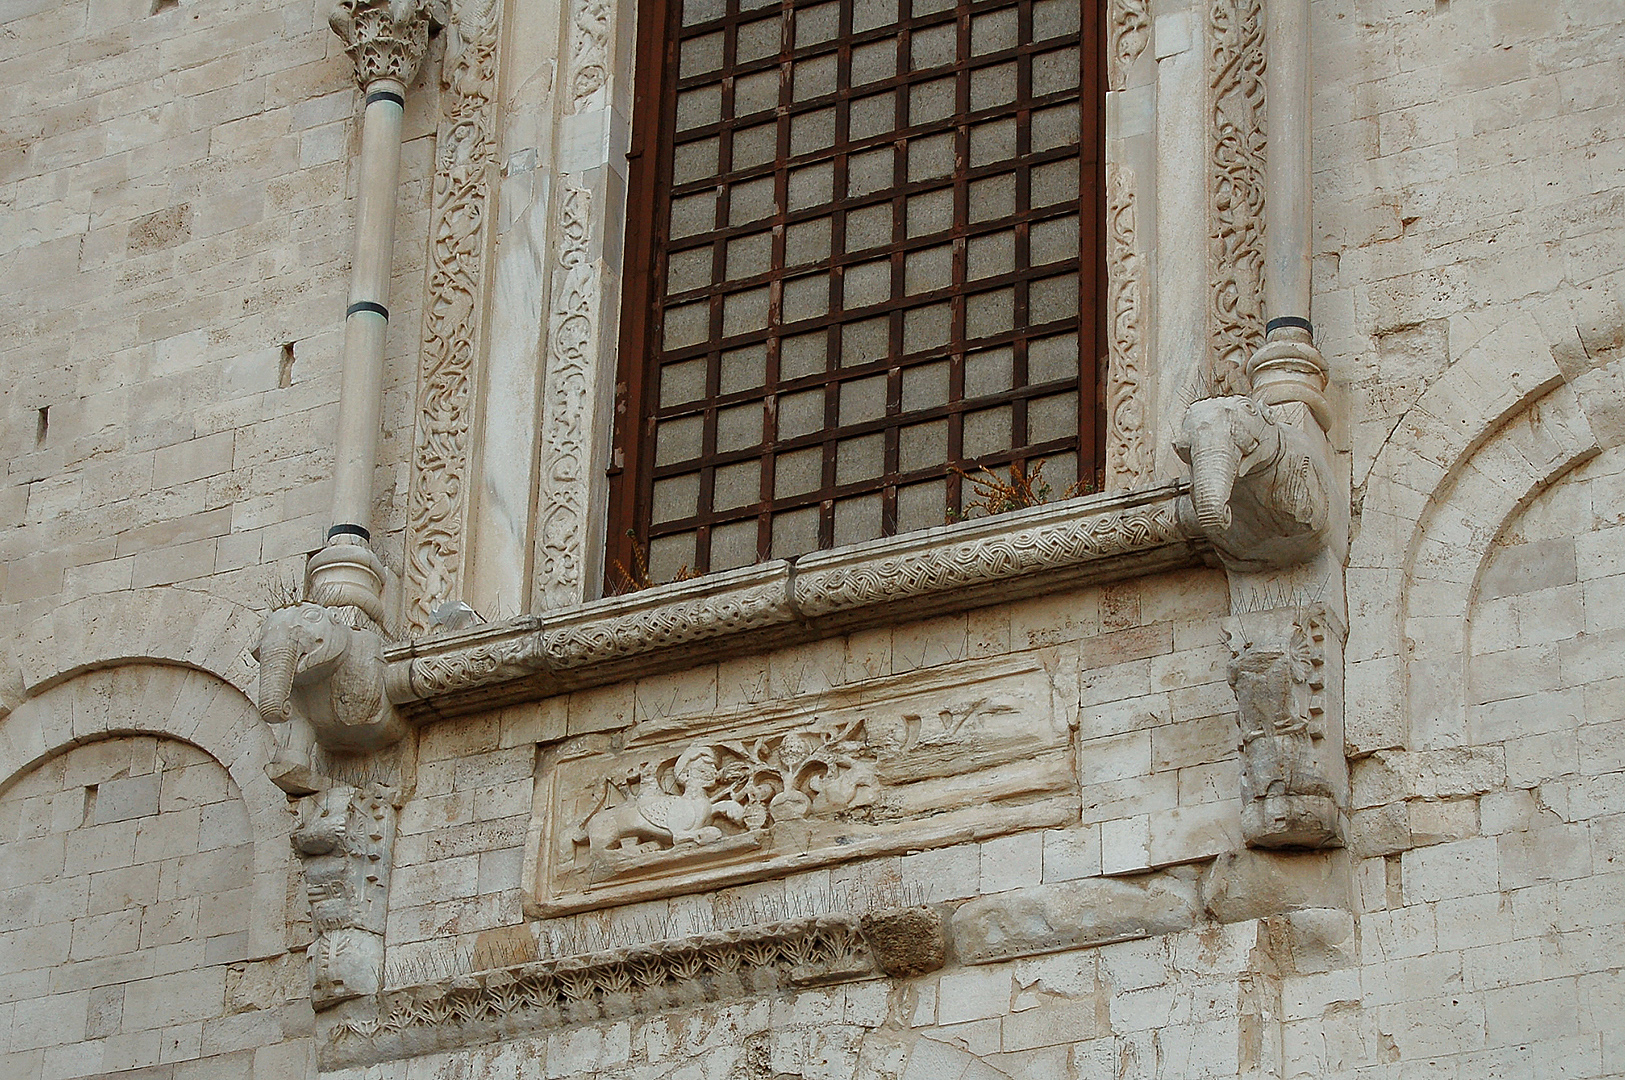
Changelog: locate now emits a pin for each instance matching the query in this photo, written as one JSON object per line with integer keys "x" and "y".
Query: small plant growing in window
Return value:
{"x": 994, "y": 494}
{"x": 636, "y": 579}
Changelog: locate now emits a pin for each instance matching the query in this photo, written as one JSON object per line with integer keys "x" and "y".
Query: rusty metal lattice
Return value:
{"x": 872, "y": 230}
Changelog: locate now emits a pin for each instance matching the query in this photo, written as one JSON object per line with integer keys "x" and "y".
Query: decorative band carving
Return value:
{"x": 465, "y": 158}
{"x": 1126, "y": 454}
{"x": 1236, "y": 189}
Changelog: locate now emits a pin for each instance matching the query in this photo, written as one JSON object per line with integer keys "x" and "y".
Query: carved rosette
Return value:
{"x": 1126, "y": 456}
{"x": 1236, "y": 189}
{"x": 572, "y": 333}
{"x": 1277, "y": 669}
{"x": 385, "y": 39}
{"x": 1128, "y": 30}
{"x": 465, "y": 159}
{"x": 345, "y": 839}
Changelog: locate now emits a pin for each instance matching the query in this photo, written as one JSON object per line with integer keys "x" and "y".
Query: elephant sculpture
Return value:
{"x": 316, "y": 662}
{"x": 1260, "y": 487}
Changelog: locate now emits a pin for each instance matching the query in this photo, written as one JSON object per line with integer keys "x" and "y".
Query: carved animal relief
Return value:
{"x": 1277, "y": 663}
{"x": 691, "y": 803}
{"x": 345, "y": 838}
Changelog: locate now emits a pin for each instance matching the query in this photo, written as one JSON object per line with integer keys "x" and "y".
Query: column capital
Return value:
{"x": 385, "y": 39}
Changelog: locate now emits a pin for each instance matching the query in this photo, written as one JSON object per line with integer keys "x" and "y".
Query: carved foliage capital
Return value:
{"x": 385, "y": 39}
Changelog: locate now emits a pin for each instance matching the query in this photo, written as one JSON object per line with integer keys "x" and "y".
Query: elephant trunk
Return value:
{"x": 1213, "y": 474}
{"x": 276, "y": 681}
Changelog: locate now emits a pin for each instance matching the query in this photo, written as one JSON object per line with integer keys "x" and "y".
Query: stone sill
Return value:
{"x": 948, "y": 569}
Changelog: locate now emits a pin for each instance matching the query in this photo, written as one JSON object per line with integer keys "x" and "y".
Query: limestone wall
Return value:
{"x": 175, "y": 212}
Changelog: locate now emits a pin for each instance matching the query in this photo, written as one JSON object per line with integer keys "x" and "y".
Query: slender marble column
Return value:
{"x": 386, "y": 41}
{"x": 1289, "y": 367}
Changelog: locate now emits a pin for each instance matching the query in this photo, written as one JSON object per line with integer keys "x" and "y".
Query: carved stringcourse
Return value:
{"x": 1278, "y": 671}
{"x": 345, "y": 839}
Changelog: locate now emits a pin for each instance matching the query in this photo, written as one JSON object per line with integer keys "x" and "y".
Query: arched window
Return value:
{"x": 864, "y": 252}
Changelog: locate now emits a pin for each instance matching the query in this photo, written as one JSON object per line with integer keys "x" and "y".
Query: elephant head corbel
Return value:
{"x": 326, "y": 664}
{"x": 1260, "y": 487}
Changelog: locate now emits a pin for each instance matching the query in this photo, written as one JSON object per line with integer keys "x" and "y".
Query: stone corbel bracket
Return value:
{"x": 1043, "y": 549}
{"x": 480, "y": 1008}
{"x": 345, "y": 838}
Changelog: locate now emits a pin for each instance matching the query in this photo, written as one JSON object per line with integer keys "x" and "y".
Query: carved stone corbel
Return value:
{"x": 1291, "y": 796}
{"x": 345, "y": 839}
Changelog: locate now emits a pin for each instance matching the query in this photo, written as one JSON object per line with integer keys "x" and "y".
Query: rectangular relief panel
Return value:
{"x": 896, "y": 764}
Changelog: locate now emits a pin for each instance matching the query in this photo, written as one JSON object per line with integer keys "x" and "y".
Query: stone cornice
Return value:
{"x": 952, "y": 568}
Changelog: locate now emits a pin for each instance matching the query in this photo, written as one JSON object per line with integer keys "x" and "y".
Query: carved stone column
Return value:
{"x": 1292, "y": 772}
{"x": 345, "y": 839}
{"x": 386, "y": 41}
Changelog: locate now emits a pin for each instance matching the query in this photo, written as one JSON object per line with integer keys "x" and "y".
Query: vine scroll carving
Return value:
{"x": 1236, "y": 77}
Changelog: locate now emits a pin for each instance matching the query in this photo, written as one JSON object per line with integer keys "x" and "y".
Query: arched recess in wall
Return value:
{"x": 162, "y": 625}
{"x": 1501, "y": 425}
{"x": 192, "y": 706}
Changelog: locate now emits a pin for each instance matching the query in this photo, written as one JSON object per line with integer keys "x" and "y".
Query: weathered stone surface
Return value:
{"x": 1254, "y": 884}
{"x": 906, "y": 942}
{"x": 1072, "y": 914}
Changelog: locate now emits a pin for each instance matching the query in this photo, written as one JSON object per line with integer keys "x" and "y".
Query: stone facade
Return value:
{"x": 1321, "y": 775}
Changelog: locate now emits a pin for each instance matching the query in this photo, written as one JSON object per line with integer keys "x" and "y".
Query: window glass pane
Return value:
{"x": 1055, "y": 71}
{"x": 1049, "y": 359}
{"x": 733, "y": 545}
{"x": 931, "y": 102}
{"x": 687, "y": 325}
{"x": 817, "y": 24}
{"x": 801, "y": 414}
{"x": 1052, "y": 299}
{"x": 699, "y": 107}
{"x": 753, "y": 93}
{"x": 695, "y": 214}
{"x": 736, "y": 485}
{"x": 868, "y": 173}
{"x": 749, "y": 255}
{"x": 863, "y": 400}
{"x": 874, "y": 61}
{"x": 743, "y": 312}
{"x": 676, "y": 497}
{"x": 670, "y": 556}
{"x": 993, "y": 197}
{"x": 987, "y": 432}
{"x": 932, "y": 212}
{"x": 927, "y": 328}
{"x": 1055, "y": 182}
{"x": 994, "y": 141}
{"x": 865, "y": 342}
{"x": 869, "y": 14}
{"x": 806, "y": 242}
{"x": 922, "y": 506}
{"x": 1052, "y": 418}
{"x": 678, "y": 440}
{"x": 860, "y": 459}
{"x": 754, "y": 147}
{"x": 872, "y": 116}
{"x": 795, "y": 533}
{"x": 758, "y": 40}
{"x": 922, "y": 446}
{"x": 991, "y": 86}
{"x": 798, "y": 473}
{"x": 803, "y": 356}
{"x": 699, "y": 55}
{"x": 1055, "y": 18}
{"x": 689, "y": 269}
{"x": 990, "y": 313}
{"x": 869, "y": 283}
{"x": 739, "y": 427}
{"x": 857, "y": 519}
{"x": 930, "y": 156}
{"x": 814, "y": 77}
{"x": 1054, "y": 240}
{"x": 694, "y": 161}
{"x": 743, "y": 369}
{"x": 936, "y": 46}
{"x": 806, "y": 298}
{"x": 682, "y": 383}
{"x": 929, "y": 270}
{"x": 1055, "y": 127}
{"x": 994, "y": 32}
{"x": 990, "y": 372}
{"x": 811, "y": 186}
{"x": 990, "y": 255}
{"x": 925, "y": 386}
{"x": 812, "y": 131}
{"x": 702, "y": 11}
{"x": 750, "y": 202}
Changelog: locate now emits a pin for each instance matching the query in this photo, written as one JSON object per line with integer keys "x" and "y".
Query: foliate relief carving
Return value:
{"x": 588, "y": 641}
{"x": 571, "y": 340}
{"x": 345, "y": 838}
{"x": 1277, "y": 669}
{"x": 465, "y": 158}
{"x": 1236, "y": 78}
{"x": 714, "y": 966}
{"x": 1260, "y": 487}
{"x": 694, "y": 802}
{"x": 385, "y": 39}
{"x": 1128, "y": 27}
{"x": 589, "y": 54}
{"x": 821, "y": 590}
{"x": 1125, "y": 390}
